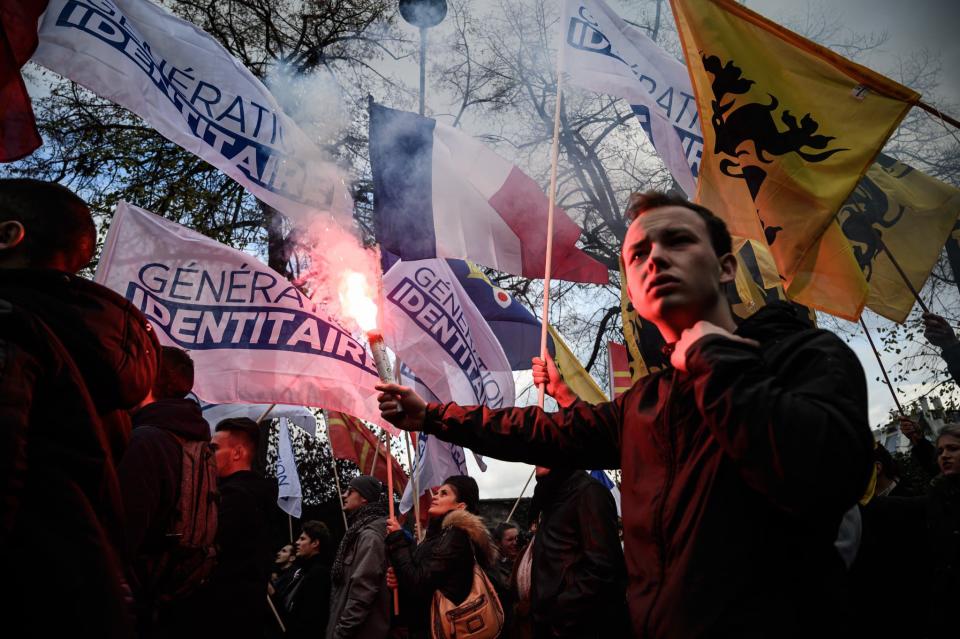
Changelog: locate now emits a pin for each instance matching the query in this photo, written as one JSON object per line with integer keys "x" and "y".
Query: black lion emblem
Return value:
{"x": 755, "y": 122}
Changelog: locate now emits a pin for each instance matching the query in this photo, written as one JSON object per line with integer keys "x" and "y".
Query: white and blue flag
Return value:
{"x": 600, "y": 52}
{"x": 254, "y": 337}
{"x": 434, "y": 327}
{"x": 190, "y": 89}
{"x": 289, "y": 494}
{"x": 602, "y": 477}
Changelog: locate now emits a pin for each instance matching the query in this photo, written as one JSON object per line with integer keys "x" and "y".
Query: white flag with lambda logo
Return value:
{"x": 289, "y": 494}
{"x": 603, "y": 53}
{"x": 253, "y": 336}
{"x": 190, "y": 89}
{"x": 435, "y": 328}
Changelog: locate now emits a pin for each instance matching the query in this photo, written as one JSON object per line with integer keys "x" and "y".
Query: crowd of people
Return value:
{"x": 755, "y": 501}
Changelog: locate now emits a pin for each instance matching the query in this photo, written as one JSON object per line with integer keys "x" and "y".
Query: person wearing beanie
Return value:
{"x": 444, "y": 559}
{"x": 360, "y": 603}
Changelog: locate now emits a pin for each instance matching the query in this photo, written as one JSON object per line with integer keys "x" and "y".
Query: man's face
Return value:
{"x": 508, "y": 543}
{"x": 948, "y": 455}
{"x": 223, "y": 452}
{"x": 352, "y": 500}
{"x": 307, "y": 547}
{"x": 674, "y": 276}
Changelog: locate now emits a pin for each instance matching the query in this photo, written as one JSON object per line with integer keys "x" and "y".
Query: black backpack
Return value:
{"x": 190, "y": 551}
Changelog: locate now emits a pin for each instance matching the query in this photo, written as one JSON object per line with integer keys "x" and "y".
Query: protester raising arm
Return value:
{"x": 939, "y": 333}
{"x": 579, "y": 434}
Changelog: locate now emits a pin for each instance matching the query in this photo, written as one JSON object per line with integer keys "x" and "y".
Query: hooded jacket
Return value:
{"x": 442, "y": 561}
{"x": 151, "y": 468}
{"x": 579, "y": 579}
{"x": 736, "y": 475}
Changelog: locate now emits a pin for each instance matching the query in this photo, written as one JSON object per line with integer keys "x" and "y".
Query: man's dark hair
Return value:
{"x": 318, "y": 531}
{"x": 55, "y": 220}
{"x": 720, "y": 238}
{"x": 501, "y": 528}
{"x": 175, "y": 375}
{"x": 245, "y": 430}
{"x": 888, "y": 465}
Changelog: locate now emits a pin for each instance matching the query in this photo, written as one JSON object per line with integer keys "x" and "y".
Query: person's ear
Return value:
{"x": 461, "y": 506}
{"x": 728, "y": 268}
{"x": 11, "y": 234}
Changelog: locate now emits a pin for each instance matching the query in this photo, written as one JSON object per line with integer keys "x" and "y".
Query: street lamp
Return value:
{"x": 423, "y": 14}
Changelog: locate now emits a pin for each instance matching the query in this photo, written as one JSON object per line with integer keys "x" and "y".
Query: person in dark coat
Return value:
{"x": 150, "y": 479}
{"x": 239, "y": 581}
{"x": 911, "y": 550}
{"x": 444, "y": 560}
{"x": 305, "y": 603}
{"x": 282, "y": 567}
{"x": 507, "y": 536}
{"x": 738, "y": 462}
{"x": 360, "y": 601}
{"x": 73, "y": 357}
{"x": 579, "y": 579}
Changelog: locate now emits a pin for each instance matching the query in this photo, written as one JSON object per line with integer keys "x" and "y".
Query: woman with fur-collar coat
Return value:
{"x": 444, "y": 559}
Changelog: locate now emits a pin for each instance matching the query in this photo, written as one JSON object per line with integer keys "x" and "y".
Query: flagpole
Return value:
{"x": 517, "y": 503}
{"x": 290, "y": 526}
{"x": 336, "y": 475}
{"x": 416, "y": 489}
{"x": 903, "y": 275}
{"x": 389, "y": 461}
{"x": 373, "y": 466}
{"x": 276, "y": 615}
{"x": 398, "y": 376}
{"x": 547, "y": 266}
{"x": 935, "y": 111}
{"x": 265, "y": 413}
{"x": 883, "y": 370}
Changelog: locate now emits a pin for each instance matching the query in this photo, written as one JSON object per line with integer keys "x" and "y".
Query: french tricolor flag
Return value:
{"x": 440, "y": 193}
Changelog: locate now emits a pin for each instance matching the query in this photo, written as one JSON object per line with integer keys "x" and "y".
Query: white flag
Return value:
{"x": 289, "y": 494}
{"x": 253, "y": 336}
{"x": 434, "y": 326}
{"x": 603, "y": 53}
{"x": 193, "y": 92}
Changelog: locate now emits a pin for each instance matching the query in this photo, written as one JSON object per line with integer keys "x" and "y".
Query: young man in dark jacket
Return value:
{"x": 579, "y": 580}
{"x": 238, "y": 584}
{"x": 306, "y": 600}
{"x": 360, "y": 602}
{"x": 738, "y": 462}
{"x": 150, "y": 482}
{"x": 73, "y": 356}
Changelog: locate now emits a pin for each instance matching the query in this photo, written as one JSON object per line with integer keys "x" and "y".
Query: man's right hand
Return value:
{"x": 548, "y": 373}
{"x": 938, "y": 331}
{"x": 910, "y": 429}
{"x": 401, "y": 406}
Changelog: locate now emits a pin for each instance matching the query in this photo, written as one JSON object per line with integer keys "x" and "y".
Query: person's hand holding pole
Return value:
{"x": 547, "y": 373}
{"x": 910, "y": 429}
{"x": 938, "y": 331}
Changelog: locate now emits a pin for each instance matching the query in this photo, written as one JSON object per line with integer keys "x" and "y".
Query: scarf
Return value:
{"x": 358, "y": 519}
